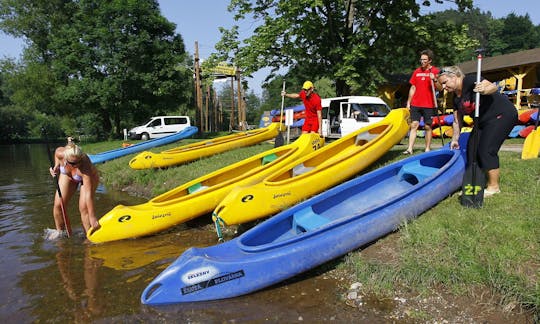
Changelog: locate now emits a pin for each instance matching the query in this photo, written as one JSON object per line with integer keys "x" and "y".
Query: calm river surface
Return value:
{"x": 72, "y": 281}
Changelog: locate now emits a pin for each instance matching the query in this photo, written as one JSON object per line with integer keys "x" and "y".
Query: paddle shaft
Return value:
{"x": 473, "y": 186}
{"x": 62, "y": 207}
{"x": 436, "y": 109}
{"x": 279, "y": 141}
{"x": 282, "y": 105}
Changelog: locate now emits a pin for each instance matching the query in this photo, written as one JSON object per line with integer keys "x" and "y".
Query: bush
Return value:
{"x": 14, "y": 123}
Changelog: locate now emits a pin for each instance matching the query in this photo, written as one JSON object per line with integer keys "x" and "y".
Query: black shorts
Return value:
{"x": 427, "y": 113}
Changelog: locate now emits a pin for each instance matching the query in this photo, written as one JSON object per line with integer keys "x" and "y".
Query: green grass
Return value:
{"x": 116, "y": 174}
{"x": 495, "y": 248}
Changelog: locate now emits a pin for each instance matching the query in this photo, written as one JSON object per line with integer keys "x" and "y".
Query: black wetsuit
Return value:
{"x": 497, "y": 117}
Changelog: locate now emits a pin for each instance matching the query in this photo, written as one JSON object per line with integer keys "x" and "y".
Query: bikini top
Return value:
{"x": 75, "y": 177}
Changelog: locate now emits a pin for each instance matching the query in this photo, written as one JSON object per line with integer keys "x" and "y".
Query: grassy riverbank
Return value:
{"x": 494, "y": 249}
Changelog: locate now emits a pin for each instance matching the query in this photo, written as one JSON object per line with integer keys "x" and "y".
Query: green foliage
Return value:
{"x": 14, "y": 123}
{"x": 518, "y": 33}
{"x": 354, "y": 43}
{"x": 45, "y": 125}
{"x": 498, "y": 36}
{"x": 253, "y": 104}
{"x": 119, "y": 60}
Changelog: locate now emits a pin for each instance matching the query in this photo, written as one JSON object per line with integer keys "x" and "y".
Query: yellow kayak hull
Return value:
{"x": 313, "y": 173}
{"x": 199, "y": 196}
{"x": 190, "y": 152}
{"x": 446, "y": 130}
{"x": 531, "y": 146}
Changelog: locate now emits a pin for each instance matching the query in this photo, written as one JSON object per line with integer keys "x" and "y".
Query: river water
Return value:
{"x": 72, "y": 281}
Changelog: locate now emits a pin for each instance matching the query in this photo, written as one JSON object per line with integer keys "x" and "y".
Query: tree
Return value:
{"x": 498, "y": 36}
{"x": 113, "y": 61}
{"x": 351, "y": 42}
{"x": 518, "y": 33}
{"x": 253, "y": 104}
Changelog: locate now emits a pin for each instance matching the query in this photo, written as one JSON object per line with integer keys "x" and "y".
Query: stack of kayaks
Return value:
{"x": 199, "y": 196}
{"x": 441, "y": 123}
{"x": 447, "y": 131}
{"x": 299, "y": 115}
{"x": 315, "y": 231}
{"x": 527, "y": 117}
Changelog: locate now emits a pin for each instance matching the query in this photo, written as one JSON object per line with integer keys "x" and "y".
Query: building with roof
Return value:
{"x": 516, "y": 74}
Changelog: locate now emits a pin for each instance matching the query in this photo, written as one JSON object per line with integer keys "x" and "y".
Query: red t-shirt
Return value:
{"x": 311, "y": 103}
{"x": 423, "y": 96}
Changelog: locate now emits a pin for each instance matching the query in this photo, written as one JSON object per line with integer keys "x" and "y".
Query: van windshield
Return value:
{"x": 156, "y": 122}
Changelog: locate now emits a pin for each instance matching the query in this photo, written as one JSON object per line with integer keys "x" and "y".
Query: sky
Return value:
{"x": 199, "y": 21}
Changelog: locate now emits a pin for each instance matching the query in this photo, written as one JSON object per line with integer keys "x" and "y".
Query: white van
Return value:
{"x": 343, "y": 115}
{"x": 160, "y": 126}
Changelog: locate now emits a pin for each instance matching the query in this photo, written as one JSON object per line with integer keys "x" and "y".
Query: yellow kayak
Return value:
{"x": 313, "y": 173}
{"x": 199, "y": 196}
{"x": 446, "y": 130}
{"x": 190, "y": 152}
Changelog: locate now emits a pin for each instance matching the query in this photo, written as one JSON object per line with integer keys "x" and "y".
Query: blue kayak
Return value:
{"x": 276, "y": 112}
{"x": 135, "y": 148}
{"x": 313, "y": 232}
{"x": 515, "y": 131}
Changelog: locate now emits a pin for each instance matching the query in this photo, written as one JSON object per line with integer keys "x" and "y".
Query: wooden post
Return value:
{"x": 198, "y": 91}
{"x": 239, "y": 92}
{"x": 231, "y": 122}
{"x": 215, "y": 119}
{"x": 206, "y": 117}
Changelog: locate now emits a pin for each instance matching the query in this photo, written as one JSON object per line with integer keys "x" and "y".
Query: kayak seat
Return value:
{"x": 300, "y": 169}
{"x": 269, "y": 158}
{"x": 415, "y": 172}
{"x": 364, "y": 138}
{"x": 307, "y": 220}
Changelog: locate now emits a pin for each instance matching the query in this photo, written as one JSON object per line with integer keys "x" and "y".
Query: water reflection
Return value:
{"x": 73, "y": 281}
{"x": 85, "y": 299}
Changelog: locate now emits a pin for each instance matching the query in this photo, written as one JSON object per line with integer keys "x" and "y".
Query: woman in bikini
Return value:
{"x": 75, "y": 169}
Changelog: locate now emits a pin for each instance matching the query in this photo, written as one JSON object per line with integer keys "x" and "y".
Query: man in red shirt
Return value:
{"x": 421, "y": 100}
{"x": 312, "y": 104}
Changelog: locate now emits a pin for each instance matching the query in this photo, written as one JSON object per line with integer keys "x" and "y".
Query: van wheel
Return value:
{"x": 145, "y": 137}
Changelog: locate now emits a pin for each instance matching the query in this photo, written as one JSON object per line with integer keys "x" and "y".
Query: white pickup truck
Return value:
{"x": 343, "y": 115}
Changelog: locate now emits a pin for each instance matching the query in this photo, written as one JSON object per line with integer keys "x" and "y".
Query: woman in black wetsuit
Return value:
{"x": 497, "y": 117}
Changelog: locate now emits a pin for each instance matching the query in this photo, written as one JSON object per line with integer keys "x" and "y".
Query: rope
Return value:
{"x": 219, "y": 223}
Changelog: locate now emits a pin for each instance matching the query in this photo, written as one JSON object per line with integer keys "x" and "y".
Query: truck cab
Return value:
{"x": 343, "y": 115}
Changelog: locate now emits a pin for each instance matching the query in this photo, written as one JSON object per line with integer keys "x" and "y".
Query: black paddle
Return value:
{"x": 474, "y": 179}
{"x": 64, "y": 214}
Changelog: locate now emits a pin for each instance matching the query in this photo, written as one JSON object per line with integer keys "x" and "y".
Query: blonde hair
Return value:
{"x": 454, "y": 69}
{"x": 73, "y": 151}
